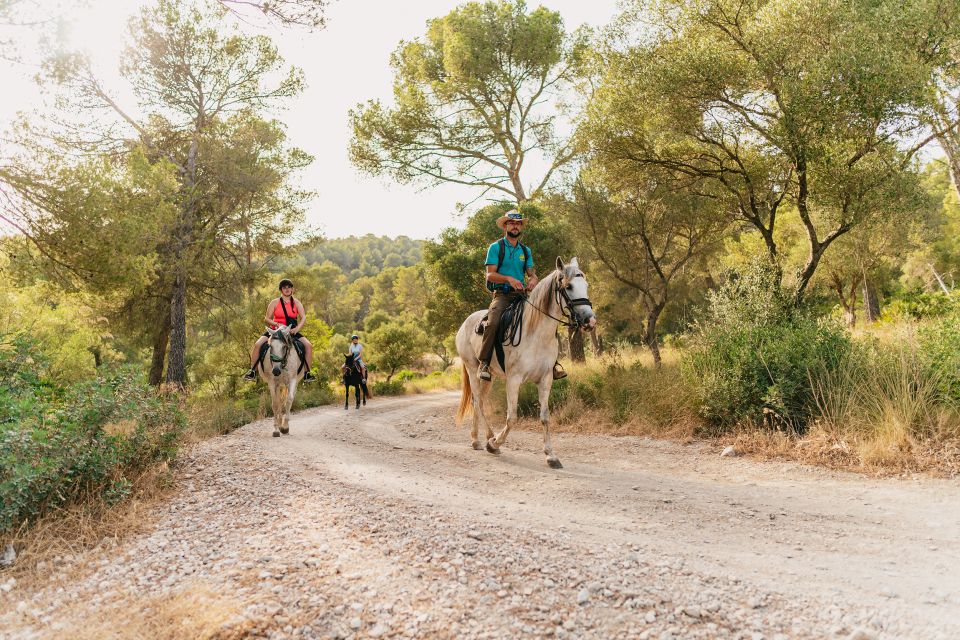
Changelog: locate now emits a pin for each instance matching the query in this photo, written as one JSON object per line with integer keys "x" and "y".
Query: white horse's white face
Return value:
{"x": 575, "y": 287}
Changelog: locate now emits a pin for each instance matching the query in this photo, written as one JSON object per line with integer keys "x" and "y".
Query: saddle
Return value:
{"x": 301, "y": 353}
{"x": 508, "y": 331}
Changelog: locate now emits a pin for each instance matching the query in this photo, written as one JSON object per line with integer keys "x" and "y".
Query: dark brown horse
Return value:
{"x": 353, "y": 377}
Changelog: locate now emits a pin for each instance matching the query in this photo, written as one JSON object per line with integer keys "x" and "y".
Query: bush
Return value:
{"x": 407, "y": 374}
{"x": 939, "y": 342}
{"x": 88, "y": 440}
{"x": 753, "y": 355}
{"x": 921, "y": 304}
{"x": 384, "y": 388}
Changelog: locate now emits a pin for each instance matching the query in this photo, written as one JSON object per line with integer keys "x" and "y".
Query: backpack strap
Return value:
{"x": 286, "y": 316}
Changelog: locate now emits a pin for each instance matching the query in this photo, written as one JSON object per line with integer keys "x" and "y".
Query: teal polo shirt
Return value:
{"x": 512, "y": 262}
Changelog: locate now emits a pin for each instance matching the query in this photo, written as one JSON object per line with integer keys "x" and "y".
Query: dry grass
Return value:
{"x": 449, "y": 380}
{"x": 882, "y": 416}
{"x": 78, "y": 528}
{"x": 198, "y": 612}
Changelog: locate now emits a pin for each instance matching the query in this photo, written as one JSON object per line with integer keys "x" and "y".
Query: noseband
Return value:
{"x": 571, "y": 304}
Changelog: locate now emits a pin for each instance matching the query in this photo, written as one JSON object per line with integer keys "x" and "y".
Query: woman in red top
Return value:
{"x": 279, "y": 311}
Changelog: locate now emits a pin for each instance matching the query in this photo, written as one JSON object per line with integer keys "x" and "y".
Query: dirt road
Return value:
{"x": 384, "y": 523}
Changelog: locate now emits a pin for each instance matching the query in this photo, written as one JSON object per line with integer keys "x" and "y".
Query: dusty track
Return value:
{"x": 384, "y": 523}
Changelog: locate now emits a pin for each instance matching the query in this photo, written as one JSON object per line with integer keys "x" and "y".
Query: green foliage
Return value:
{"x": 388, "y": 388}
{"x": 921, "y": 304}
{"x": 86, "y": 440}
{"x": 356, "y": 257}
{"x": 455, "y": 261}
{"x": 482, "y": 81}
{"x": 939, "y": 342}
{"x": 755, "y": 351}
{"x": 748, "y": 97}
{"x": 395, "y": 345}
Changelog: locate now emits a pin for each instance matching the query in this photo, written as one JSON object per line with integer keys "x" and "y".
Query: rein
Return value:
{"x": 513, "y": 332}
{"x": 286, "y": 351}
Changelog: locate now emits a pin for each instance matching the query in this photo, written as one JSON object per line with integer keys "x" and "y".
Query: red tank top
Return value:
{"x": 291, "y": 309}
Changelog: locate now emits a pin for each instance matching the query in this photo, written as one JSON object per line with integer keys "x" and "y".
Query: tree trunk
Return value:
{"x": 597, "y": 343}
{"x": 176, "y": 360}
{"x": 953, "y": 155}
{"x": 160, "y": 349}
{"x": 575, "y": 339}
{"x": 650, "y": 336}
{"x": 871, "y": 305}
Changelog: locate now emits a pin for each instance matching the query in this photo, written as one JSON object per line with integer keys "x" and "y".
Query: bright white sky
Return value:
{"x": 346, "y": 63}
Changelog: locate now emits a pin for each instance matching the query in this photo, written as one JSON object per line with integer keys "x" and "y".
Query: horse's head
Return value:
{"x": 572, "y": 294}
{"x": 280, "y": 343}
{"x": 347, "y": 364}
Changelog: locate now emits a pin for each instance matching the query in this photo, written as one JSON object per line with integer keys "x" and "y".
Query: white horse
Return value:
{"x": 559, "y": 296}
{"x": 282, "y": 377}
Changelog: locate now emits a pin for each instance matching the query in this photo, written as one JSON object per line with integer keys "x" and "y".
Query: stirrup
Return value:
{"x": 309, "y": 377}
{"x": 250, "y": 375}
{"x": 558, "y": 371}
{"x": 483, "y": 372}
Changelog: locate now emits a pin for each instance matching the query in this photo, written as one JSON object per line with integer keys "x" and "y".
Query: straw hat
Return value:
{"x": 512, "y": 216}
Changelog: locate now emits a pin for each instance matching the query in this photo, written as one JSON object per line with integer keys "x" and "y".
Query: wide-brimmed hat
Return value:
{"x": 511, "y": 216}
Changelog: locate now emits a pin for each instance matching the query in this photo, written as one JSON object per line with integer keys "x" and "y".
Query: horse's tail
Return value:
{"x": 366, "y": 391}
{"x": 466, "y": 395}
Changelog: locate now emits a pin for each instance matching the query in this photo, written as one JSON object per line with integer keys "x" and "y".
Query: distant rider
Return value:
{"x": 356, "y": 350}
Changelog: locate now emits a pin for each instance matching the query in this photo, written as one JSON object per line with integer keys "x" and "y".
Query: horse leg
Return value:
{"x": 476, "y": 401}
{"x": 287, "y": 407}
{"x": 544, "y": 388}
{"x": 346, "y": 396}
{"x": 275, "y": 405}
{"x": 513, "y": 390}
{"x": 356, "y": 392}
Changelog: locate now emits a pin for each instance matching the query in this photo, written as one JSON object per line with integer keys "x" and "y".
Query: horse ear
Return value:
{"x": 559, "y": 263}
{"x": 574, "y": 263}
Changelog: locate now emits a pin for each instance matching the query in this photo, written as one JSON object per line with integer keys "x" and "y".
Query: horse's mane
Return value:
{"x": 541, "y": 298}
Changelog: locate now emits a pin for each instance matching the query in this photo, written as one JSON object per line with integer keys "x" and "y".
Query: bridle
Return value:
{"x": 566, "y": 304}
{"x": 279, "y": 335}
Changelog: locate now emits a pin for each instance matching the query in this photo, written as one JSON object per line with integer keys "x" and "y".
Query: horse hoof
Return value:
{"x": 476, "y": 445}
{"x": 554, "y": 463}
{"x": 492, "y": 449}
{"x": 285, "y": 431}
{"x": 276, "y": 434}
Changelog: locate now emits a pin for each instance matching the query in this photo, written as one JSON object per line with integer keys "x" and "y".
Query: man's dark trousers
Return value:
{"x": 501, "y": 300}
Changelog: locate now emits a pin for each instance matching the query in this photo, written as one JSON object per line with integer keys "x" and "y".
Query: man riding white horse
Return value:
{"x": 284, "y": 311}
{"x": 509, "y": 263}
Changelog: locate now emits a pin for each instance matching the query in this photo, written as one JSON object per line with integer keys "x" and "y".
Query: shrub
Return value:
{"x": 921, "y": 304}
{"x": 384, "y": 388}
{"x": 939, "y": 342}
{"x": 407, "y": 374}
{"x": 90, "y": 439}
{"x": 753, "y": 354}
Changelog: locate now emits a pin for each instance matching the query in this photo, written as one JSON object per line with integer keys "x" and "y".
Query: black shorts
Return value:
{"x": 296, "y": 336}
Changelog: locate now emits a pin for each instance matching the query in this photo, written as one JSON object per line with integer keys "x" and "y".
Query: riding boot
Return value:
{"x": 483, "y": 372}
{"x": 251, "y": 374}
{"x": 308, "y": 376}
